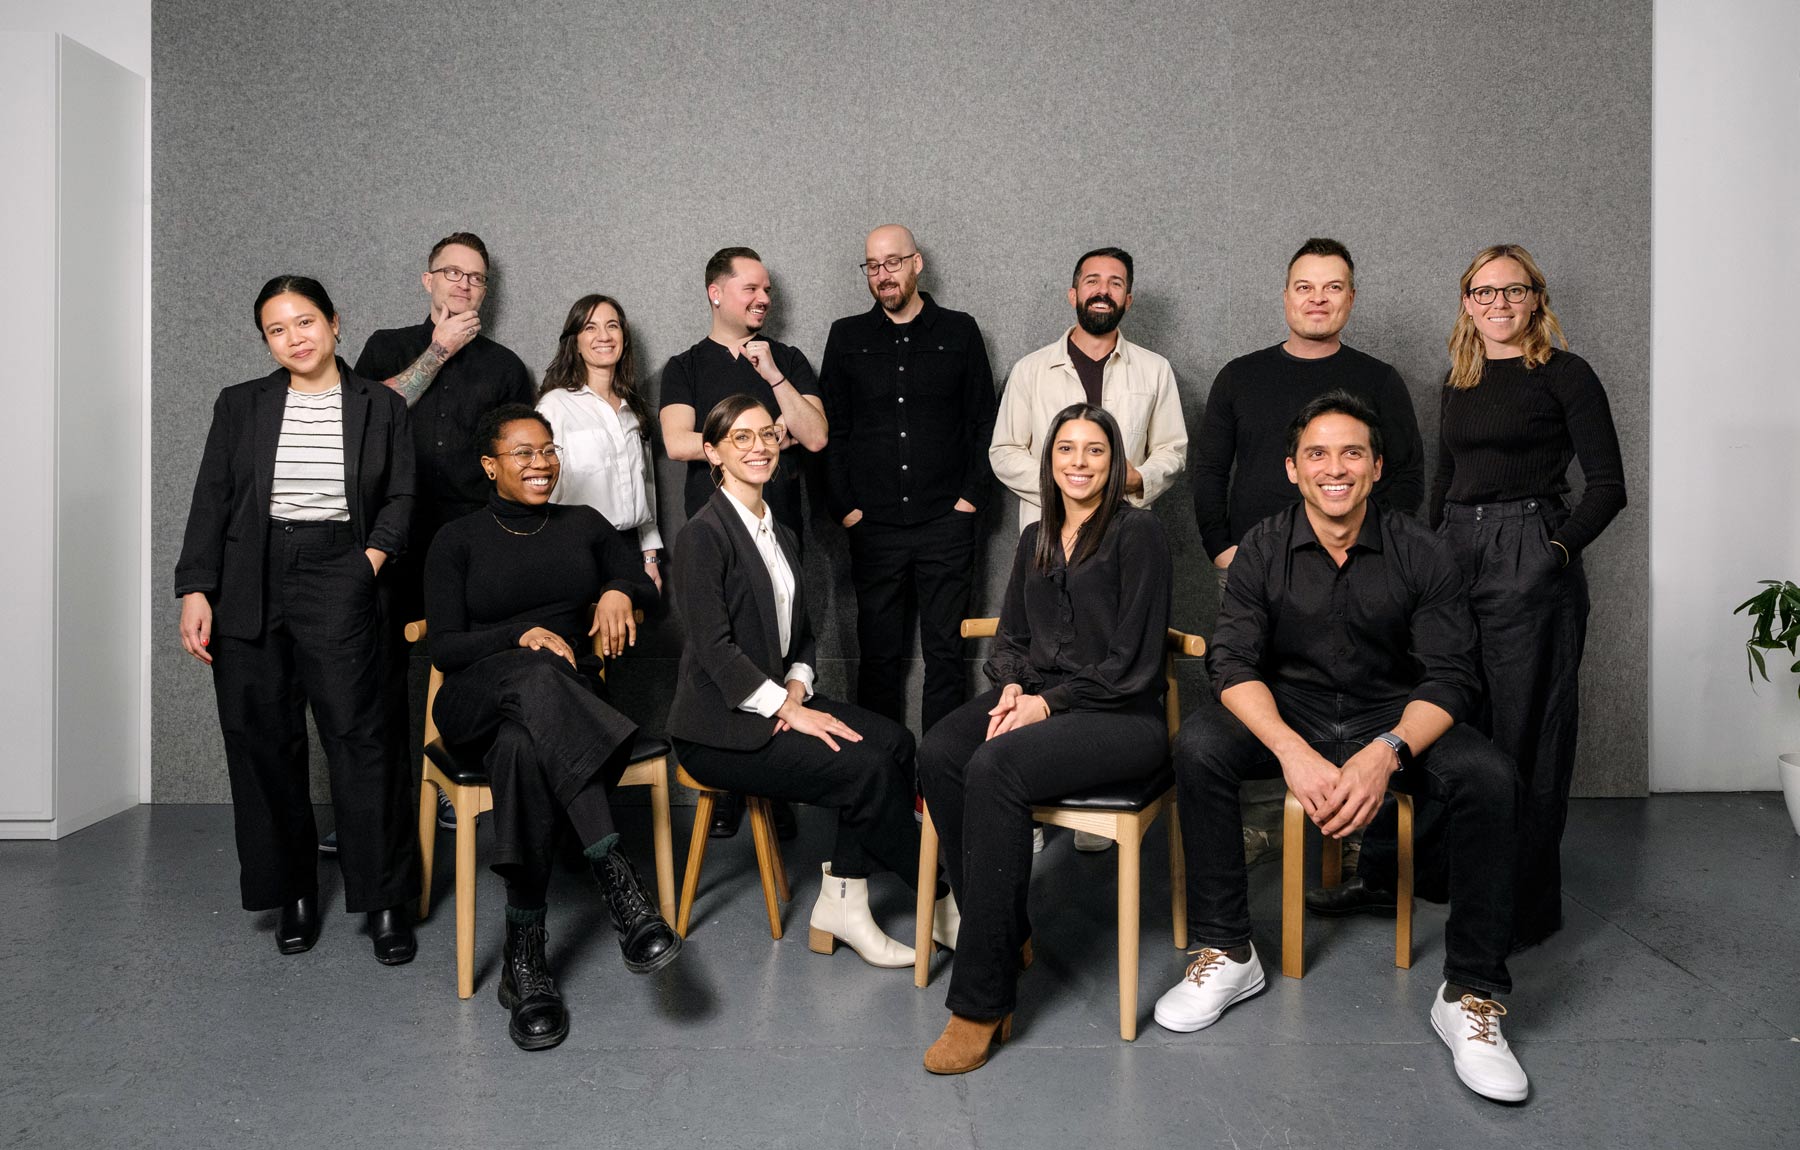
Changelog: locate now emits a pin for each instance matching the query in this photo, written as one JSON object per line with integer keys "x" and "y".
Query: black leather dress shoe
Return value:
{"x": 785, "y": 826}
{"x": 728, "y": 812}
{"x": 392, "y": 934}
{"x": 646, "y": 939}
{"x": 1351, "y": 897}
{"x": 299, "y": 927}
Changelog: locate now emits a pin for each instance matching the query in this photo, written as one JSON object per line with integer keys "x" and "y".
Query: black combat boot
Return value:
{"x": 646, "y": 938}
{"x": 526, "y": 988}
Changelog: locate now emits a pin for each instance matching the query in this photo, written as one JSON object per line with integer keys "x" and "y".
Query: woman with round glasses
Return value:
{"x": 1515, "y": 411}
{"x": 745, "y": 717}
{"x": 304, "y": 494}
{"x": 1077, "y": 668}
{"x": 507, "y": 593}
{"x": 590, "y": 395}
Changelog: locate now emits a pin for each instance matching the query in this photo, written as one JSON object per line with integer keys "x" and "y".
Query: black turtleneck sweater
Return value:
{"x": 495, "y": 574}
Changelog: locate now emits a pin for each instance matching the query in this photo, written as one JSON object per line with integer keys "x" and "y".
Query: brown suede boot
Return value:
{"x": 966, "y": 1044}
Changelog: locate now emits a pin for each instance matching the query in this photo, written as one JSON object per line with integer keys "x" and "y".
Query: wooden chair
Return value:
{"x": 1331, "y": 868}
{"x": 1122, "y": 813}
{"x": 466, "y": 786}
{"x": 768, "y": 852}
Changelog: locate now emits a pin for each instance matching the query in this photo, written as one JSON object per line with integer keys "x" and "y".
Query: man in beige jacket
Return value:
{"x": 1093, "y": 362}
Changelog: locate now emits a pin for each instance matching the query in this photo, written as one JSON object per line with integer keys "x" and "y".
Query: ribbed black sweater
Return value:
{"x": 1512, "y": 436}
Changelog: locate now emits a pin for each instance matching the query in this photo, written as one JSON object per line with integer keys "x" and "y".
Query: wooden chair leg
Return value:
{"x": 1177, "y": 877}
{"x": 1293, "y": 889}
{"x": 464, "y": 801}
{"x": 776, "y": 862}
{"x": 690, "y": 881}
{"x": 762, "y": 831}
{"x": 428, "y": 793}
{"x": 1331, "y": 862}
{"x": 926, "y": 903}
{"x": 662, "y": 834}
{"x": 1130, "y": 839}
{"x": 1403, "y": 884}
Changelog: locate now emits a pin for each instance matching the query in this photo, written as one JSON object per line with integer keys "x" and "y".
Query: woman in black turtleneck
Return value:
{"x": 507, "y": 590}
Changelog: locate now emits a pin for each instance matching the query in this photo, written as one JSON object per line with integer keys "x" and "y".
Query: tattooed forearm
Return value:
{"x": 412, "y": 382}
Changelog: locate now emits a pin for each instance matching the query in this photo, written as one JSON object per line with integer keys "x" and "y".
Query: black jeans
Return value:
{"x": 981, "y": 792}
{"x": 931, "y": 564}
{"x": 1471, "y": 779}
{"x": 320, "y": 645}
{"x": 868, "y": 783}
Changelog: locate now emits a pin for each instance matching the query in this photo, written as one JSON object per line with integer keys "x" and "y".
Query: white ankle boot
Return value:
{"x": 842, "y": 915}
{"x": 946, "y": 922}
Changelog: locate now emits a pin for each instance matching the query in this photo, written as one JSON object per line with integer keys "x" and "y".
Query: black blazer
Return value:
{"x": 726, "y": 602}
{"x": 228, "y": 520}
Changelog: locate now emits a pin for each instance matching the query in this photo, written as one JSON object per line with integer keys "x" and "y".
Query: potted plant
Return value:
{"x": 1775, "y": 626}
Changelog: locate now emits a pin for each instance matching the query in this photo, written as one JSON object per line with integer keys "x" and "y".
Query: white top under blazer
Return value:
{"x": 768, "y": 698}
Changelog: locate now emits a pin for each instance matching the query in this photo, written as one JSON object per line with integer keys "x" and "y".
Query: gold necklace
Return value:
{"x": 533, "y": 531}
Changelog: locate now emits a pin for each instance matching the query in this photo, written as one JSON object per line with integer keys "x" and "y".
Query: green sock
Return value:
{"x": 524, "y": 916}
{"x": 601, "y": 849}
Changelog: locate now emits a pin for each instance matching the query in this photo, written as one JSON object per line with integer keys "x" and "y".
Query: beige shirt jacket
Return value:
{"x": 1137, "y": 388}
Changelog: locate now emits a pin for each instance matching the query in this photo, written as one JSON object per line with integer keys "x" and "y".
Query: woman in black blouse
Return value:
{"x": 1515, "y": 411}
{"x": 507, "y": 590}
{"x": 745, "y": 717}
{"x": 1077, "y": 665}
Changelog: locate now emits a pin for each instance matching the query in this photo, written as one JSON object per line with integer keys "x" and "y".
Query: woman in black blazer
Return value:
{"x": 1078, "y": 682}
{"x": 745, "y": 717}
{"x": 304, "y": 493}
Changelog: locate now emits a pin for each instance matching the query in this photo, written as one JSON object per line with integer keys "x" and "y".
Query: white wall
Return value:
{"x": 1725, "y": 390}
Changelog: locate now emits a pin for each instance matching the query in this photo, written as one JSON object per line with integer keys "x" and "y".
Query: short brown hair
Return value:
{"x": 466, "y": 239}
{"x": 723, "y": 263}
{"x": 1321, "y": 246}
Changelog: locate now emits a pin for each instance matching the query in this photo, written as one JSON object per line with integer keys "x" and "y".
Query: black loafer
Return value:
{"x": 785, "y": 826}
{"x": 1351, "y": 897}
{"x": 299, "y": 927}
{"x": 728, "y": 812}
{"x": 393, "y": 936}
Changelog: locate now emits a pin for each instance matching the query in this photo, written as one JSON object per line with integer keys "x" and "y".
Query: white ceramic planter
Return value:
{"x": 1789, "y": 766}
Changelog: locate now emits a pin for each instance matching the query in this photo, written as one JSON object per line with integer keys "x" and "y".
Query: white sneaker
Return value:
{"x": 1484, "y": 1061}
{"x": 1212, "y": 983}
{"x": 1037, "y": 840}
{"x": 1092, "y": 843}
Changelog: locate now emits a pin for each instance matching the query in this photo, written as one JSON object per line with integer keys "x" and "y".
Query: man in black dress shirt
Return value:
{"x": 1344, "y": 660}
{"x": 735, "y": 357}
{"x": 910, "y": 397}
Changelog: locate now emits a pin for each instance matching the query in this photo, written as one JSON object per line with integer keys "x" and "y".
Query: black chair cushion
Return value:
{"x": 462, "y": 765}
{"x": 1131, "y": 795}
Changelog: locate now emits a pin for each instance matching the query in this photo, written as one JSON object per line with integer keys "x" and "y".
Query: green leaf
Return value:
{"x": 1756, "y": 657}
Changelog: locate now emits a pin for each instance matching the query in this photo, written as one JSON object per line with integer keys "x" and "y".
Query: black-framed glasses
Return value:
{"x": 1514, "y": 293}
{"x": 873, "y": 268}
{"x": 457, "y": 275}
{"x": 742, "y": 438}
{"x": 525, "y": 456}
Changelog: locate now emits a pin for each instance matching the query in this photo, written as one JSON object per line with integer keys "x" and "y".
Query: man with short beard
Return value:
{"x": 910, "y": 399}
{"x": 1093, "y": 363}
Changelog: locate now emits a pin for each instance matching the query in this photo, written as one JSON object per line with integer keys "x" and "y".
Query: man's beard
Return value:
{"x": 1099, "y": 323}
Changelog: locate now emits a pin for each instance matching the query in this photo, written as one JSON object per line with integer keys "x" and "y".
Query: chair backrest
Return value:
{"x": 1174, "y": 643}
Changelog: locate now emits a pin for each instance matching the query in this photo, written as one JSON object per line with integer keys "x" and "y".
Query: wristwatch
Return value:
{"x": 1401, "y": 750}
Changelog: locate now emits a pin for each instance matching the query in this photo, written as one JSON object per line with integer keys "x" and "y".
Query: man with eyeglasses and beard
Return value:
{"x": 1094, "y": 363}
{"x": 910, "y": 398}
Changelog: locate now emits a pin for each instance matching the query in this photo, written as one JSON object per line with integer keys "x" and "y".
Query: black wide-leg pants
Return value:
{"x": 1469, "y": 780}
{"x": 868, "y": 783}
{"x": 981, "y": 792}
{"x": 320, "y": 645}
{"x": 931, "y": 564}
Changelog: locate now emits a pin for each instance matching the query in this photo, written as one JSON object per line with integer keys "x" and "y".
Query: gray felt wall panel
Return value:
{"x": 613, "y": 147}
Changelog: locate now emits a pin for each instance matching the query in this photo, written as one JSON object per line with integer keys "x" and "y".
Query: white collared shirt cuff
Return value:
{"x": 802, "y": 674}
{"x": 766, "y": 699}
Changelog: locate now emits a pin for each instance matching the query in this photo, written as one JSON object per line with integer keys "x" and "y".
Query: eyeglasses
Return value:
{"x": 742, "y": 438}
{"x": 525, "y": 456}
{"x": 1515, "y": 293}
{"x": 457, "y": 275}
{"x": 872, "y": 268}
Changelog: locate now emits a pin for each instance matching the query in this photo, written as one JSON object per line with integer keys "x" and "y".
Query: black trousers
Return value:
{"x": 551, "y": 747}
{"x": 868, "y": 783}
{"x": 981, "y": 792}
{"x": 1471, "y": 781}
{"x": 929, "y": 564}
{"x": 321, "y": 646}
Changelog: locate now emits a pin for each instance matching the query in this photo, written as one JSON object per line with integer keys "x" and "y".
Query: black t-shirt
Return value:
{"x": 706, "y": 373}
{"x": 1091, "y": 372}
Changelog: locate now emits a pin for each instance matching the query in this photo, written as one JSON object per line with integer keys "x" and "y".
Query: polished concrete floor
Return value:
{"x": 142, "y": 1008}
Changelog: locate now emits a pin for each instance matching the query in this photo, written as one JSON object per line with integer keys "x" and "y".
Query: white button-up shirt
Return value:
{"x": 768, "y": 698}
{"x": 606, "y": 461}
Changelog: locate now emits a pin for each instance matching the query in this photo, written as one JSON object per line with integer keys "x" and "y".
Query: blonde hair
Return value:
{"x": 1468, "y": 355}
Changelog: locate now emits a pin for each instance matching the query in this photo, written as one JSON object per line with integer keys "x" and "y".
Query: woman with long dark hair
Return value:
{"x": 1076, "y": 703}
{"x": 304, "y": 494}
{"x": 1516, "y": 410}
{"x": 745, "y": 717}
{"x": 590, "y": 395}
